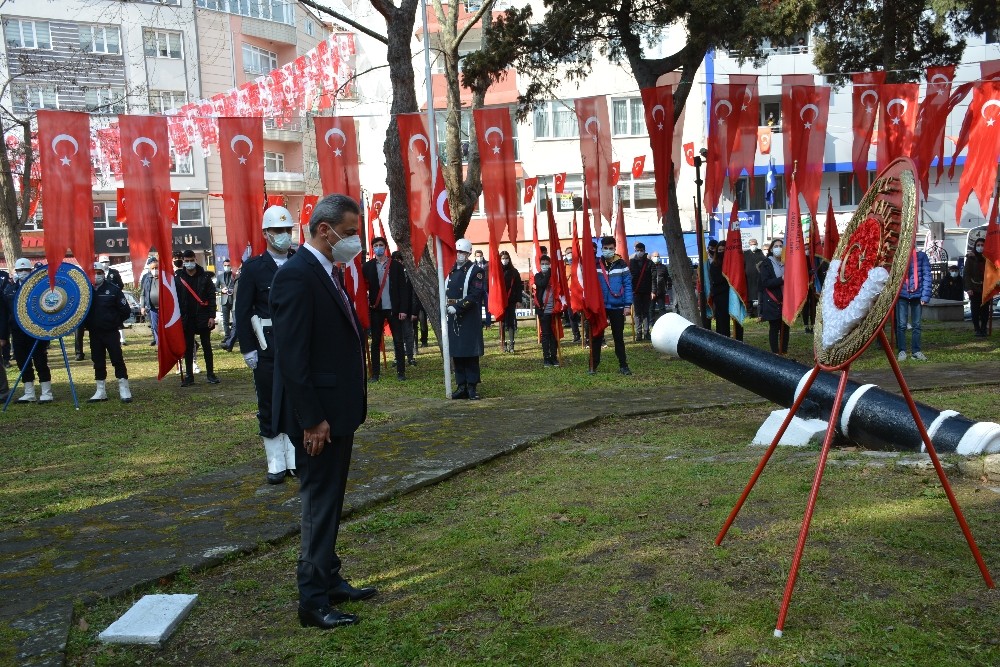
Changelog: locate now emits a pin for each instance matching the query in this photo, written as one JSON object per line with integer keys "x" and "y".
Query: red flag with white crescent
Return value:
{"x": 991, "y": 251}
{"x": 931, "y": 120}
{"x": 733, "y": 266}
{"x": 415, "y": 150}
{"x": 121, "y": 214}
{"x": 241, "y": 153}
{"x": 615, "y": 173}
{"x": 980, "y": 172}
{"x": 337, "y": 155}
{"x": 441, "y": 224}
{"x": 560, "y": 183}
{"x": 898, "y": 109}
{"x": 494, "y": 137}
{"x": 689, "y": 153}
{"x": 529, "y": 189}
{"x": 174, "y": 207}
{"x": 595, "y": 151}
{"x": 805, "y": 110}
{"x": 989, "y": 70}
{"x": 831, "y": 234}
{"x": 308, "y": 204}
{"x": 357, "y": 288}
{"x": 658, "y": 107}
{"x": 796, "y": 287}
{"x": 593, "y": 296}
{"x": 866, "y": 100}
{"x": 558, "y": 280}
{"x": 498, "y": 289}
{"x": 764, "y": 140}
{"x": 744, "y": 150}
{"x": 723, "y": 131}
{"x": 64, "y": 143}
{"x": 576, "y": 272}
{"x": 638, "y": 166}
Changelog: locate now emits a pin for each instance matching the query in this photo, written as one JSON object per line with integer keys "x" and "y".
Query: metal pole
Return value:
{"x": 699, "y": 231}
{"x": 439, "y": 255}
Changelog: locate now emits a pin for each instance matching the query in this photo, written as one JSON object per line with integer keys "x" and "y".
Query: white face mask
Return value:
{"x": 568, "y": 258}
{"x": 505, "y": 262}
{"x": 22, "y": 275}
{"x": 227, "y": 269}
{"x": 189, "y": 266}
{"x": 979, "y": 249}
{"x": 753, "y": 248}
{"x": 282, "y": 242}
{"x": 346, "y": 249}
{"x": 776, "y": 251}
{"x": 462, "y": 257}
{"x": 640, "y": 254}
{"x": 479, "y": 261}
{"x": 546, "y": 268}
{"x": 379, "y": 251}
{"x": 607, "y": 254}
{"x": 953, "y": 274}
{"x": 98, "y": 279}
{"x": 656, "y": 260}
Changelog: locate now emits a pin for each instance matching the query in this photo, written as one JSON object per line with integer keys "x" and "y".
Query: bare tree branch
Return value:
{"x": 349, "y": 21}
{"x": 487, "y": 6}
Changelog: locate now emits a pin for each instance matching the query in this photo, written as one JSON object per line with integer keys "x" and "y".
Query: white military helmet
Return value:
{"x": 99, "y": 266}
{"x": 22, "y": 264}
{"x": 463, "y": 245}
{"x": 277, "y": 216}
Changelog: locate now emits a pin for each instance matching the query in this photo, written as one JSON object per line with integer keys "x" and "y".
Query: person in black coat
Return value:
{"x": 195, "y": 289}
{"x": 108, "y": 310}
{"x": 408, "y": 327}
{"x": 320, "y": 398}
{"x": 465, "y": 293}
{"x": 660, "y": 292}
{"x": 224, "y": 286}
{"x": 752, "y": 257}
{"x": 545, "y": 307}
{"x": 253, "y": 301}
{"x": 950, "y": 286}
{"x": 772, "y": 282}
{"x": 22, "y": 343}
{"x": 718, "y": 287}
{"x": 641, "y": 269}
{"x": 388, "y": 301}
{"x": 515, "y": 290}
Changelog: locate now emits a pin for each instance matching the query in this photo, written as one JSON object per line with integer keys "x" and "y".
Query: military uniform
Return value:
{"x": 466, "y": 291}
{"x": 253, "y": 298}
{"x": 22, "y": 344}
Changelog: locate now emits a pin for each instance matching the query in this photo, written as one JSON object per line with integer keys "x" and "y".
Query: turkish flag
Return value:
{"x": 831, "y": 234}
{"x": 36, "y": 193}
{"x": 723, "y": 133}
{"x": 658, "y": 107}
{"x": 337, "y": 155}
{"x": 529, "y": 189}
{"x": 898, "y": 108}
{"x": 745, "y": 146}
{"x": 593, "y": 297}
{"x": 796, "y": 287}
{"x": 120, "y": 211}
{"x": 733, "y": 266}
{"x": 991, "y": 251}
{"x": 638, "y": 166}
{"x": 308, "y": 204}
{"x": 865, "y": 101}
{"x": 498, "y": 290}
{"x": 495, "y": 138}
{"x": 931, "y": 120}
{"x": 416, "y": 148}
{"x": 988, "y": 70}
{"x": 980, "y": 172}
{"x": 689, "y": 153}
{"x": 241, "y": 152}
{"x": 146, "y": 173}
{"x": 621, "y": 241}
{"x": 615, "y": 173}
{"x": 805, "y": 109}
{"x": 560, "y": 183}
{"x": 558, "y": 280}
{"x": 274, "y": 200}
{"x": 441, "y": 225}
{"x": 595, "y": 150}
{"x": 576, "y": 272}
{"x": 375, "y": 213}
{"x": 357, "y": 288}
{"x": 64, "y": 142}
{"x": 764, "y": 140}
{"x": 174, "y": 207}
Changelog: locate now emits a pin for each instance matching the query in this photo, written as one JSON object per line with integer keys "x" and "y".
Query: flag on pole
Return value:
{"x": 621, "y": 241}
{"x": 733, "y": 267}
{"x": 770, "y": 183}
{"x": 558, "y": 280}
{"x": 866, "y": 98}
{"x": 593, "y": 297}
{"x": 980, "y": 172}
{"x": 440, "y": 224}
{"x": 560, "y": 183}
{"x": 357, "y": 288}
{"x": 991, "y": 251}
{"x": 615, "y": 173}
{"x": 796, "y": 287}
{"x": 241, "y": 155}
{"x": 308, "y": 204}
{"x": 495, "y": 138}
{"x": 337, "y": 155}
{"x": 576, "y": 272}
{"x": 832, "y": 235}
{"x": 529, "y": 189}
{"x": 536, "y": 265}
{"x": 595, "y": 151}
{"x": 638, "y": 166}
{"x": 498, "y": 289}
{"x": 415, "y": 148}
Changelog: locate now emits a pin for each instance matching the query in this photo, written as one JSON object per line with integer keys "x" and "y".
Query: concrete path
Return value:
{"x": 107, "y": 550}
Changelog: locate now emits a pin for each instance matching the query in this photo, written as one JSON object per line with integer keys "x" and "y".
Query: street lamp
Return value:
{"x": 702, "y": 299}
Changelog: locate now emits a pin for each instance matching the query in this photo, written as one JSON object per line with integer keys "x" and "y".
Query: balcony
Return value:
{"x": 284, "y": 182}
{"x": 265, "y": 10}
{"x": 290, "y": 132}
{"x": 502, "y": 92}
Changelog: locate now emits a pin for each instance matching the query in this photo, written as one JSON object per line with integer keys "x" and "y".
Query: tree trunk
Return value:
{"x": 11, "y": 222}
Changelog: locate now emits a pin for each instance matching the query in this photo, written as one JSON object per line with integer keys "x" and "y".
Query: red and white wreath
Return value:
{"x": 852, "y": 283}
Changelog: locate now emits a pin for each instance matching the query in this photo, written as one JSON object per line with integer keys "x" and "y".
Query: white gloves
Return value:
{"x": 452, "y": 310}
{"x": 251, "y": 359}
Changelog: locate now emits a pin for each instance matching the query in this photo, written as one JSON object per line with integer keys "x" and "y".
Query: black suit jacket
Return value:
{"x": 399, "y": 287}
{"x": 319, "y": 363}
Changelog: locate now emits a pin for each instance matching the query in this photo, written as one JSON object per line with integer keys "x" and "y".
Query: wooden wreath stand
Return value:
{"x": 824, "y": 452}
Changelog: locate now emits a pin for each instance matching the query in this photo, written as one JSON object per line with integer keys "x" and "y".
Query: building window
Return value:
{"x": 22, "y": 34}
{"x": 161, "y": 101}
{"x": 163, "y": 44}
{"x": 258, "y": 61}
{"x": 770, "y": 112}
{"x": 268, "y": 10}
{"x": 274, "y": 161}
{"x": 310, "y": 28}
{"x": 628, "y": 118}
{"x": 105, "y": 100}
{"x": 181, "y": 164}
{"x": 556, "y": 119}
{"x": 106, "y": 215}
{"x": 190, "y": 213}
{"x": 757, "y": 200}
{"x": 100, "y": 39}
{"x": 637, "y": 193}
{"x": 27, "y": 98}
{"x": 850, "y": 192}
{"x": 572, "y": 194}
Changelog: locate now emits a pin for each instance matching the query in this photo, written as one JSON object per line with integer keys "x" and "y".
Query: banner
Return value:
{"x": 734, "y": 267}
{"x": 614, "y": 173}
{"x": 595, "y": 151}
{"x": 805, "y": 109}
{"x": 241, "y": 154}
{"x": 658, "y": 106}
{"x": 576, "y": 272}
{"x": 593, "y": 297}
{"x": 980, "y": 172}
{"x": 308, "y": 204}
{"x": 494, "y": 136}
{"x": 866, "y": 100}
{"x": 529, "y": 189}
{"x": 638, "y": 166}
{"x": 764, "y": 140}
{"x": 898, "y": 110}
{"x": 745, "y": 146}
{"x": 337, "y": 155}
{"x": 723, "y": 132}
{"x": 796, "y": 287}
{"x": 932, "y": 117}
{"x": 415, "y": 148}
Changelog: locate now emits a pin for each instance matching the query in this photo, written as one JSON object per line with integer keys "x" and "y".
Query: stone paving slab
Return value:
{"x": 110, "y": 549}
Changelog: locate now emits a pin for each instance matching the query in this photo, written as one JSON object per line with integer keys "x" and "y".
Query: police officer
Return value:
{"x": 108, "y": 310}
{"x": 465, "y": 293}
{"x": 256, "y": 337}
{"x": 23, "y": 343}
{"x": 224, "y": 286}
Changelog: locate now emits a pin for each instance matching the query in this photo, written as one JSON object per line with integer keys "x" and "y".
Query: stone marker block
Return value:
{"x": 151, "y": 620}
{"x": 800, "y": 432}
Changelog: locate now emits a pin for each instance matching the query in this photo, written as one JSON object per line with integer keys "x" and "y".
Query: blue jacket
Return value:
{"x": 618, "y": 286}
{"x": 919, "y": 286}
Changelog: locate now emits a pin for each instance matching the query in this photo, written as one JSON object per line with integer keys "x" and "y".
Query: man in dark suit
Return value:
{"x": 224, "y": 286}
{"x": 320, "y": 397}
{"x": 388, "y": 301}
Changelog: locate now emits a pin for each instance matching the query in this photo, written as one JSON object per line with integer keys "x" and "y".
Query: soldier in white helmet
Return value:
{"x": 107, "y": 312}
{"x": 465, "y": 292}
{"x": 23, "y": 343}
{"x": 252, "y": 314}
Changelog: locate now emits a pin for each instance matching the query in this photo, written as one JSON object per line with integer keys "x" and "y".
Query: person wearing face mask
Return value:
{"x": 752, "y": 257}
{"x": 616, "y": 283}
{"x": 224, "y": 287}
{"x": 515, "y": 290}
{"x": 719, "y": 290}
{"x": 771, "y": 284}
{"x": 465, "y": 293}
{"x": 388, "y": 301}
{"x": 255, "y": 333}
{"x": 544, "y": 307}
{"x": 22, "y": 343}
{"x": 641, "y": 269}
{"x": 195, "y": 289}
{"x": 950, "y": 286}
{"x": 975, "y": 270}
{"x": 660, "y": 294}
{"x": 108, "y": 310}
{"x": 571, "y": 319}
{"x": 320, "y": 398}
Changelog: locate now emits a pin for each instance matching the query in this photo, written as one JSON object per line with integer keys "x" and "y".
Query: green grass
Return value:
{"x": 595, "y": 548}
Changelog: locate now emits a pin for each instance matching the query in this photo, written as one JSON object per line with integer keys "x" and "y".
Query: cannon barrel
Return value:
{"x": 869, "y": 416}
